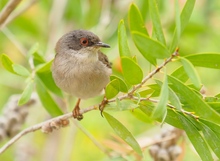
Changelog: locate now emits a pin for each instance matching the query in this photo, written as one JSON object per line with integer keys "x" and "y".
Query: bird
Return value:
{"x": 79, "y": 67}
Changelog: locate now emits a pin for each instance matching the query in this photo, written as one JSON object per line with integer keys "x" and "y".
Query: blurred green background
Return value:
{"x": 45, "y": 21}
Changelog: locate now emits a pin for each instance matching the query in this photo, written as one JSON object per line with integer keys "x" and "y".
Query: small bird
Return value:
{"x": 79, "y": 67}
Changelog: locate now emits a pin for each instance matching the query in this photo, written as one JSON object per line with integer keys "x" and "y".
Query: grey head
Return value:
{"x": 79, "y": 39}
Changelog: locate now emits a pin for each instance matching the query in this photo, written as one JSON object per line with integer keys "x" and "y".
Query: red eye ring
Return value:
{"x": 84, "y": 41}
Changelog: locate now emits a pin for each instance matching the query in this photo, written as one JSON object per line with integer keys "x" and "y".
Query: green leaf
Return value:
{"x": 122, "y": 40}
{"x": 177, "y": 20}
{"x": 212, "y": 139}
{"x": 33, "y": 49}
{"x": 174, "y": 99}
{"x": 208, "y": 60}
{"x": 141, "y": 116}
{"x": 160, "y": 110}
{"x": 196, "y": 139}
{"x": 197, "y": 105}
{"x": 45, "y": 75}
{"x": 149, "y": 47}
{"x": 180, "y": 74}
{"x": 131, "y": 71}
{"x": 123, "y": 132}
{"x": 191, "y": 72}
{"x": 20, "y": 70}
{"x": 46, "y": 99}
{"x": 122, "y": 85}
{"x": 156, "y": 21}
{"x": 184, "y": 19}
{"x": 126, "y": 104}
{"x": 112, "y": 89}
{"x": 7, "y": 63}
{"x": 136, "y": 21}
{"x": 26, "y": 94}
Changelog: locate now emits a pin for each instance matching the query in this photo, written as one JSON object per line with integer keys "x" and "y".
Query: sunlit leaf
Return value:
{"x": 7, "y": 63}
{"x": 212, "y": 139}
{"x": 26, "y": 94}
{"x": 46, "y": 99}
{"x": 191, "y": 72}
{"x": 123, "y": 132}
{"x": 149, "y": 47}
{"x": 184, "y": 19}
{"x": 44, "y": 73}
{"x": 122, "y": 40}
{"x": 160, "y": 110}
{"x": 131, "y": 71}
{"x": 201, "y": 108}
{"x": 180, "y": 74}
{"x": 122, "y": 85}
{"x": 20, "y": 70}
{"x": 208, "y": 60}
{"x": 136, "y": 21}
{"x": 196, "y": 139}
{"x": 174, "y": 99}
{"x": 157, "y": 27}
{"x": 112, "y": 89}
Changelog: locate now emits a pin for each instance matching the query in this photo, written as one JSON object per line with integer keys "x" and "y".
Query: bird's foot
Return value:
{"x": 76, "y": 112}
{"x": 102, "y": 105}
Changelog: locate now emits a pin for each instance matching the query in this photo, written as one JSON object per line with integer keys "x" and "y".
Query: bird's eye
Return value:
{"x": 84, "y": 41}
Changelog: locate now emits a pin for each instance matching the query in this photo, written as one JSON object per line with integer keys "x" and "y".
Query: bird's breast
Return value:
{"x": 83, "y": 79}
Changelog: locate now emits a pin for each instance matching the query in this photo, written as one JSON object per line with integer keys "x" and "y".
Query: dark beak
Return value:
{"x": 101, "y": 44}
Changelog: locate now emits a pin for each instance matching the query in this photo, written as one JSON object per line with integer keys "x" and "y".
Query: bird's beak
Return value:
{"x": 101, "y": 44}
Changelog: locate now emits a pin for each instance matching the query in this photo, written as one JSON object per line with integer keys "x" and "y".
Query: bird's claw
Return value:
{"x": 102, "y": 105}
{"x": 76, "y": 114}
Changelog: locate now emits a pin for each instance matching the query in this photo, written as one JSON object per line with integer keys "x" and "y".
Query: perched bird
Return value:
{"x": 79, "y": 67}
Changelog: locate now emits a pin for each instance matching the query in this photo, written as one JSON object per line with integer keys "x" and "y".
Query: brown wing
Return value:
{"x": 104, "y": 59}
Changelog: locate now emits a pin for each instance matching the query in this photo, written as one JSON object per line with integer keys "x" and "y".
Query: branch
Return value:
{"x": 53, "y": 123}
{"x": 6, "y": 11}
{"x": 63, "y": 120}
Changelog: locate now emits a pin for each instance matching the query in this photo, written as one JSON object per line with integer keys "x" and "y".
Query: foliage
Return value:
{"x": 176, "y": 94}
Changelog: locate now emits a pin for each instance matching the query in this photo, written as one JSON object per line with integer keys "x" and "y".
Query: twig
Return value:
{"x": 40, "y": 125}
{"x": 6, "y": 11}
{"x": 149, "y": 76}
{"x": 69, "y": 115}
{"x": 14, "y": 15}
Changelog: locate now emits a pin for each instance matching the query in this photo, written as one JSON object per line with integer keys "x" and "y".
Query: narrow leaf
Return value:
{"x": 112, "y": 89}
{"x": 160, "y": 110}
{"x": 149, "y": 47}
{"x": 191, "y": 72}
{"x": 196, "y": 139}
{"x": 46, "y": 99}
{"x": 122, "y": 85}
{"x": 20, "y": 70}
{"x": 184, "y": 19}
{"x": 123, "y": 132}
{"x": 174, "y": 99}
{"x": 122, "y": 40}
{"x": 180, "y": 74}
{"x": 26, "y": 94}
{"x": 136, "y": 21}
{"x": 201, "y": 108}
{"x": 131, "y": 71}
{"x": 208, "y": 60}
{"x": 45, "y": 75}
{"x": 212, "y": 139}
{"x": 177, "y": 20}
{"x": 7, "y": 63}
{"x": 156, "y": 21}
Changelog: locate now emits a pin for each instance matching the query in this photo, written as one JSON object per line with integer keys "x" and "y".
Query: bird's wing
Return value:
{"x": 104, "y": 59}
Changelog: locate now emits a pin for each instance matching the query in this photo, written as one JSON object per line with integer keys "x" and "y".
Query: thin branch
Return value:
{"x": 15, "y": 14}
{"x": 53, "y": 123}
{"x": 40, "y": 125}
{"x": 6, "y": 11}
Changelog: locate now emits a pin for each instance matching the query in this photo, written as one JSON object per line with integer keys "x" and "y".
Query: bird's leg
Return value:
{"x": 76, "y": 111}
{"x": 102, "y": 105}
